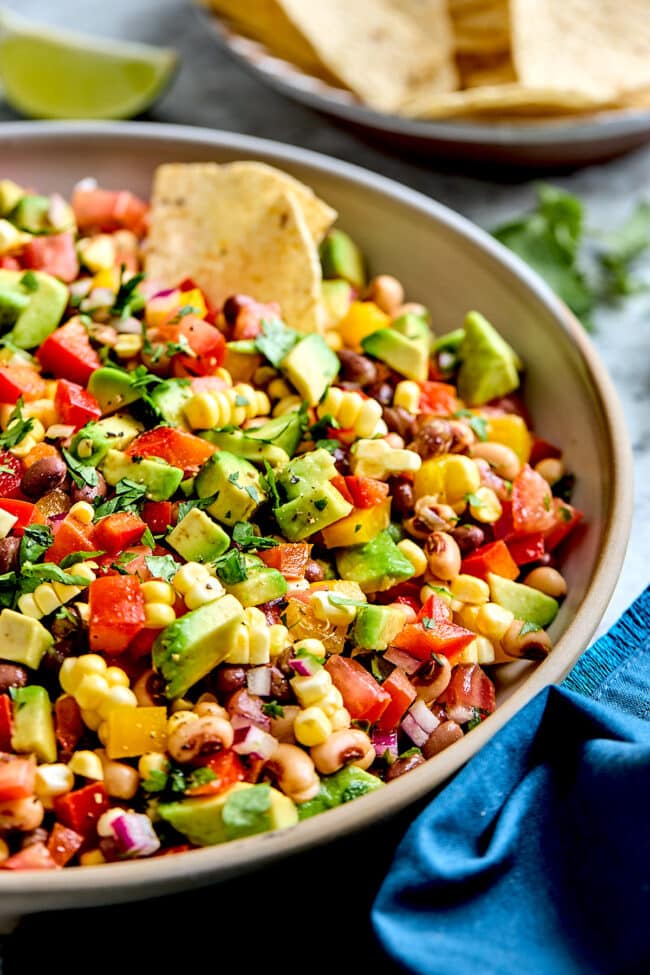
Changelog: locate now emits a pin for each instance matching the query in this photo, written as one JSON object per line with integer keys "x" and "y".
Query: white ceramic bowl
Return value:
{"x": 451, "y": 266}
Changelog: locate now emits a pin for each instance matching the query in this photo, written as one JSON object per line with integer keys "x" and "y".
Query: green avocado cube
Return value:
{"x": 337, "y": 297}
{"x": 311, "y": 366}
{"x": 23, "y": 640}
{"x": 33, "y": 727}
{"x": 47, "y": 299}
{"x": 234, "y": 484}
{"x": 169, "y": 399}
{"x": 525, "y": 602}
{"x": 376, "y": 565}
{"x": 375, "y": 626}
{"x": 12, "y": 303}
{"x": 313, "y": 510}
{"x": 160, "y": 479}
{"x": 306, "y": 471}
{"x": 408, "y": 357}
{"x": 241, "y": 443}
{"x": 198, "y": 538}
{"x": 489, "y": 366}
{"x": 341, "y": 258}
{"x": 188, "y": 649}
{"x": 201, "y": 820}
{"x": 242, "y": 810}
{"x": 262, "y": 585}
{"x": 347, "y": 784}
{"x": 113, "y": 389}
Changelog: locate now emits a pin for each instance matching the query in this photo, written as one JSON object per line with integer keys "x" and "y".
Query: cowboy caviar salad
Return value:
{"x": 263, "y": 535}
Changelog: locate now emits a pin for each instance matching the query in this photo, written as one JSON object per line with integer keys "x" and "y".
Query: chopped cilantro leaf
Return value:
{"x": 29, "y": 281}
{"x": 327, "y": 444}
{"x": 529, "y": 627}
{"x": 162, "y": 566}
{"x": 547, "y": 502}
{"x": 270, "y": 485}
{"x": 320, "y": 504}
{"x": 244, "y": 535}
{"x": 129, "y": 496}
{"x": 82, "y": 474}
{"x": 147, "y": 538}
{"x": 17, "y": 426}
{"x": 156, "y": 781}
{"x": 276, "y": 340}
{"x": 321, "y": 428}
{"x": 128, "y": 299}
{"x": 475, "y": 720}
{"x": 35, "y": 542}
{"x": 272, "y": 709}
{"x": 75, "y": 557}
{"x": 428, "y": 623}
{"x": 474, "y": 499}
{"x": 478, "y": 424}
{"x": 231, "y": 567}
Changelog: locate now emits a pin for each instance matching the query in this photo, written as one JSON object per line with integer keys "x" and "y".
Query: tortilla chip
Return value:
{"x": 599, "y": 48}
{"x": 480, "y": 71}
{"x": 376, "y": 51}
{"x": 239, "y": 229}
{"x": 481, "y": 28}
{"x": 432, "y": 19}
{"x": 503, "y": 100}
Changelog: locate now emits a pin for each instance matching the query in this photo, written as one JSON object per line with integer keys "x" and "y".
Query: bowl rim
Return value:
{"x": 212, "y": 864}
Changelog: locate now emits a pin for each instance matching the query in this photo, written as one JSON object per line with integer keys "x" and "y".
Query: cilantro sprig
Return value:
{"x": 17, "y": 427}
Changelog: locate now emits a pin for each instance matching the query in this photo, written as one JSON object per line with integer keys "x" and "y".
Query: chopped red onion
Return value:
{"x": 408, "y": 663}
{"x": 304, "y": 666}
{"x": 427, "y": 721}
{"x": 164, "y": 293}
{"x": 248, "y": 710}
{"x": 385, "y": 741}
{"x": 80, "y": 288}
{"x": 460, "y": 713}
{"x": 251, "y": 740}
{"x": 98, "y": 298}
{"x": 258, "y": 681}
{"x": 58, "y": 212}
{"x": 411, "y": 728}
{"x": 127, "y": 326}
{"x": 134, "y": 835}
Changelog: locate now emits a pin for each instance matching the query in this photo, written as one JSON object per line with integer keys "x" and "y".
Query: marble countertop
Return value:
{"x": 212, "y": 90}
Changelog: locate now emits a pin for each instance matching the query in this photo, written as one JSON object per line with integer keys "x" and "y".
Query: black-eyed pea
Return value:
{"x": 551, "y": 469}
{"x": 294, "y": 771}
{"x": 347, "y": 747}
{"x": 547, "y": 580}
{"x": 443, "y": 556}
{"x": 386, "y": 292}
{"x": 501, "y": 459}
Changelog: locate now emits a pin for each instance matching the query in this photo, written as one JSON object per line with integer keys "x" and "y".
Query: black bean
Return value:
{"x": 44, "y": 475}
{"x": 11, "y": 675}
{"x": 433, "y": 437}
{"x": 444, "y": 735}
{"x": 280, "y": 687}
{"x": 382, "y": 391}
{"x": 468, "y": 537}
{"x": 400, "y": 421}
{"x": 403, "y": 496}
{"x": 313, "y": 571}
{"x": 230, "y": 679}
{"x": 9, "y": 548}
{"x": 356, "y": 368}
{"x": 403, "y": 765}
{"x": 88, "y": 492}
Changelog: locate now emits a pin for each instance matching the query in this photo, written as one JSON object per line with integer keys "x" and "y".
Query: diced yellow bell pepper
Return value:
{"x": 194, "y": 299}
{"x": 134, "y": 731}
{"x": 451, "y": 477}
{"x": 512, "y": 431}
{"x": 359, "y": 526}
{"x": 362, "y": 318}
{"x": 108, "y": 277}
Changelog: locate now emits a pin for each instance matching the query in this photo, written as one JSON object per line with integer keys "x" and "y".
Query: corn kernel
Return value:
{"x": 152, "y": 762}
{"x": 87, "y": 764}
{"x": 493, "y": 620}
{"x": 279, "y": 636}
{"x": 90, "y": 663}
{"x": 202, "y": 593}
{"x": 407, "y": 395}
{"x": 85, "y": 570}
{"x": 334, "y": 340}
{"x": 92, "y": 858}
{"x": 310, "y": 690}
{"x": 278, "y": 389}
{"x": 97, "y": 253}
{"x": 54, "y": 779}
{"x": 312, "y": 727}
{"x": 106, "y": 820}
{"x": 327, "y": 611}
{"x": 201, "y": 411}
{"x": 439, "y": 590}
{"x": 467, "y": 617}
{"x": 65, "y": 593}
{"x": 479, "y": 651}
{"x": 312, "y": 646}
{"x": 127, "y": 346}
{"x": 69, "y": 676}
{"x": 102, "y": 732}
{"x": 470, "y": 589}
{"x": 414, "y": 554}
{"x": 157, "y": 591}
{"x": 188, "y": 576}
{"x": 116, "y": 677}
{"x": 239, "y": 652}
{"x": 340, "y": 720}
{"x": 158, "y": 615}
{"x": 83, "y": 611}
{"x": 287, "y": 405}
{"x": 331, "y": 702}
{"x": 46, "y": 598}
{"x": 82, "y": 512}
{"x": 42, "y": 410}
{"x": 92, "y": 719}
{"x": 117, "y": 697}
{"x": 259, "y": 645}
{"x": 91, "y": 691}
{"x": 27, "y": 606}
{"x": 375, "y": 458}
{"x": 461, "y": 477}
{"x": 485, "y": 506}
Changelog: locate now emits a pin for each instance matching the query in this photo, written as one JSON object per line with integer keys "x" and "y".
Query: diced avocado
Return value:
{"x": 169, "y": 398}
{"x": 377, "y": 565}
{"x": 242, "y": 360}
{"x": 488, "y": 364}
{"x": 198, "y": 538}
{"x": 119, "y": 430}
{"x": 337, "y": 298}
{"x": 35, "y": 215}
{"x": 341, "y": 258}
{"x": 160, "y": 479}
{"x": 234, "y": 484}
{"x": 525, "y": 602}
{"x": 450, "y": 342}
{"x": 239, "y": 442}
{"x": 33, "y": 727}
{"x": 283, "y": 431}
{"x": 375, "y": 626}
{"x": 261, "y": 586}
{"x": 12, "y": 303}
{"x": 415, "y": 327}
{"x": 347, "y": 784}
{"x": 23, "y": 640}
{"x": 113, "y": 389}
{"x": 10, "y": 194}
{"x": 318, "y": 507}
{"x": 201, "y": 820}
{"x": 188, "y": 649}
{"x": 311, "y": 366}
{"x": 47, "y": 299}
{"x": 306, "y": 471}
{"x": 408, "y": 357}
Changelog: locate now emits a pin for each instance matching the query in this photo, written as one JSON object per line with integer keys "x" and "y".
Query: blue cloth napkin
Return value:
{"x": 535, "y": 859}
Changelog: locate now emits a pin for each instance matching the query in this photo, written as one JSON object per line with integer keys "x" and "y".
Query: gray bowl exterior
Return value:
{"x": 451, "y": 266}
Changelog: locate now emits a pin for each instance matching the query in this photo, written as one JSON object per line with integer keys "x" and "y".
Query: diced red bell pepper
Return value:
{"x": 526, "y": 548}
{"x": 119, "y": 531}
{"x": 541, "y": 450}
{"x": 109, "y": 210}
{"x": 493, "y": 557}
{"x": 17, "y": 380}
{"x": 158, "y": 515}
{"x": 131, "y": 561}
{"x": 55, "y": 254}
{"x": 289, "y": 559}
{"x": 470, "y": 687}
{"x": 421, "y": 640}
{"x": 24, "y": 511}
{"x": 63, "y": 844}
{"x": 80, "y": 810}
{"x": 10, "y": 477}
{"x": 68, "y": 354}
{"x": 227, "y": 768}
{"x": 504, "y": 528}
{"x": 366, "y": 492}
{"x": 71, "y": 536}
{"x": 207, "y": 345}
{"x": 9, "y": 263}
{"x": 436, "y": 609}
{"x": 531, "y": 502}
{"x": 6, "y": 722}
{"x": 565, "y": 519}
{"x": 75, "y": 405}
{"x": 33, "y": 857}
{"x": 407, "y": 592}
{"x": 68, "y": 725}
{"x": 178, "y": 448}
{"x": 340, "y": 483}
{"x": 438, "y": 399}
{"x": 402, "y": 694}
{"x": 116, "y": 613}
{"x": 17, "y": 776}
{"x": 364, "y": 698}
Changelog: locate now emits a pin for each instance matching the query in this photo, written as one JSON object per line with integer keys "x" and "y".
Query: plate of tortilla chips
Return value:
{"x": 518, "y": 81}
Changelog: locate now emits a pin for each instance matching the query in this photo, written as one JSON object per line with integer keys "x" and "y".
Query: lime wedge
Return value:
{"x": 51, "y": 73}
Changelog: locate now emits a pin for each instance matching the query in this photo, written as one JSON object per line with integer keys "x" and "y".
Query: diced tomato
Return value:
{"x": 9, "y": 263}
{"x": 402, "y": 694}
{"x": 340, "y": 483}
{"x": 541, "y": 450}
{"x": 366, "y": 492}
{"x": 436, "y": 609}
{"x": 158, "y": 515}
{"x": 6, "y": 722}
{"x": 178, "y": 448}
{"x": 565, "y": 519}
{"x": 526, "y": 548}
{"x": 11, "y": 474}
{"x": 68, "y": 354}
{"x": 439, "y": 399}
{"x": 493, "y": 557}
{"x": 207, "y": 345}
{"x": 470, "y": 687}
{"x": 33, "y": 857}
{"x": 433, "y": 633}
{"x": 119, "y": 531}
{"x": 55, "y": 254}
{"x": 289, "y": 559}
{"x": 71, "y": 536}
{"x": 131, "y": 561}
{"x": 227, "y": 768}
{"x": 63, "y": 844}
{"x": 109, "y": 210}
{"x": 250, "y": 316}
{"x": 75, "y": 405}
{"x": 68, "y": 725}
{"x": 17, "y": 777}
{"x": 17, "y": 380}
{"x": 365, "y": 699}
{"x": 116, "y": 609}
{"x": 80, "y": 810}
{"x": 24, "y": 511}
{"x": 531, "y": 502}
